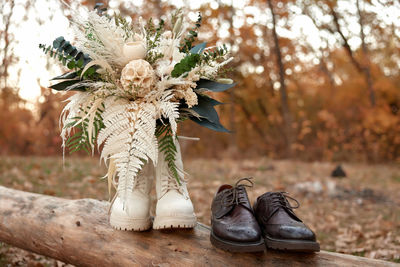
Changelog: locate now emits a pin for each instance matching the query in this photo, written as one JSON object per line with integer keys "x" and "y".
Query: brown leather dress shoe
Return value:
{"x": 281, "y": 227}
{"x": 233, "y": 225}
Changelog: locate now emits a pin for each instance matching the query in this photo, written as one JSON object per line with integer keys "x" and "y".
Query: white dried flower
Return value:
{"x": 164, "y": 67}
{"x": 193, "y": 76}
{"x": 188, "y": 95}
{"x": 185, "y": 91}
{"x": 166, "y": 35}
{"x": 191, "y": 98}
{"x": 138, "y": 77}
{"x": 177, "y": 56}
{"x": 134, "y": 50}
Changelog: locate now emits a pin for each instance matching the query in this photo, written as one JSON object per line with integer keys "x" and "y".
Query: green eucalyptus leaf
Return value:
{"x": 79, "y": 63}
{"x": 68, "y": 49}
{"x": 71, "y": 65}
{"x": 65, "y": 45}
{"x": 58, "y": 42}
{"x": 73, "y": 52}
{"x": 79, "y": 56}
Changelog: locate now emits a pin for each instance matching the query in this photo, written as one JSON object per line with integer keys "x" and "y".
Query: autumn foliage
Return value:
{"x": 329, "y": 94}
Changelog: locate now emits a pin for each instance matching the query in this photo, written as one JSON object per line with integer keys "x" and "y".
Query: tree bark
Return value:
{"x": 78, "y": 232}
{"x": 283, "y": 90}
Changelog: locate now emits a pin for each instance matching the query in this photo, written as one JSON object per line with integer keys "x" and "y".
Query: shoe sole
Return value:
{"x": 167, "y": 222}
{"x": 230, "y": 246}
{"x": 129, "y": 224}
{"x": 292, "y": 245}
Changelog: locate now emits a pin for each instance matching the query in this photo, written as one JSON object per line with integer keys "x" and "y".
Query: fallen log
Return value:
{"x": 77, "y": 232}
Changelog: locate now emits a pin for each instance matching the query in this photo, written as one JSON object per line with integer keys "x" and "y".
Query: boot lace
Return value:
{"x": 237, "y": 194}
{"x": 170, "y": 183}
{"x": 139, "y": 183}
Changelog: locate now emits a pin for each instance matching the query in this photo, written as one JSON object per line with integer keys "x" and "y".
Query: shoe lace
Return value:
{"x": 237, "y": 194}
{"x": 280, "y": 200}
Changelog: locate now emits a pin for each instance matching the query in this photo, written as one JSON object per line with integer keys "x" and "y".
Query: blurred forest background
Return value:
{"x": 316, "y": 80}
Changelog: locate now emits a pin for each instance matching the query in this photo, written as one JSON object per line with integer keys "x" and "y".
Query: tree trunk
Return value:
{"x": 323, "y": 64}
{"x": 367, "y": 63}
{"x": 283, "y": 90}
{"x": 7, "y": 39}
{"x": 78, "y": 232}
{"x": 242, "y": 104}
{"x": 232, "y": 113}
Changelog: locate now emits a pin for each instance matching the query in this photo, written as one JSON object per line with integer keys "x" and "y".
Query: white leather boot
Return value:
{"x": 134, "y": 214}
{"x": 174, "y": 208}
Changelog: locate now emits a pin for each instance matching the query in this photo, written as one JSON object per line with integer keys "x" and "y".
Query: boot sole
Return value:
{"x": 129, "y": 224}
{"x": 292, "y": 245}
{"x": 167, "y": 222}
{"x": 231, "y": 246}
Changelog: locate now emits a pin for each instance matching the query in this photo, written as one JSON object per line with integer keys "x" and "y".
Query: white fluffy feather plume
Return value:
{"x": 77, "y": 106}
{"x": 106, "y": 40}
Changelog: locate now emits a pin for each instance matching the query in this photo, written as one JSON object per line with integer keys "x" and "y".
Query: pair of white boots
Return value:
{"x": 174, "y": 208}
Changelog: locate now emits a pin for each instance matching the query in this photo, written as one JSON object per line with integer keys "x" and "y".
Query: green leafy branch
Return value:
{"x": 167, "y": 145}
{"x": 66, "y": 53}
{"x": 80, "y": 139}
{"x": 123, "y": 23}
{"x": 67, "y": 60}
{"x": 214, "y": 54}
{"x": 74, "y": 60}
{"x": 153, "y": 36}
{"x": 185, "y": 65}
{"x": 192, "y": 35}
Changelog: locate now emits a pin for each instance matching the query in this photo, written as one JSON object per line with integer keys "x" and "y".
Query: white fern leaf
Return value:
{"x": 169, "y": 110}
{"x": 129, "y": 139}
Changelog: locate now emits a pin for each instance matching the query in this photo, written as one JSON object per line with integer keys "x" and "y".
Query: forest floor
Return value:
{"x": 358, "y": 214}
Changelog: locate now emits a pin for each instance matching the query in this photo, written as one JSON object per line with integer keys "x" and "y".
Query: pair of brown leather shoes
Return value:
{"x": 271, "y": 223}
